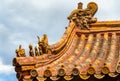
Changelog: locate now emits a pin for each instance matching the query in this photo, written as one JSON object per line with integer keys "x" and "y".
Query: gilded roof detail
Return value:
{"x": 83, "y": 52}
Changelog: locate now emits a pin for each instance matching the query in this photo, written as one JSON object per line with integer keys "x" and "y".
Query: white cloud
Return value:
{"x": 6, "y": 69}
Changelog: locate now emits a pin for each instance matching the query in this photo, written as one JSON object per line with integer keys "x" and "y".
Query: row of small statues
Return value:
{"x": 43, "y": 48}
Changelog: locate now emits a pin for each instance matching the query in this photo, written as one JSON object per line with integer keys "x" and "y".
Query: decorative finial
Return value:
{"x": 80, "y": 5}
{"x": 36, "y": 52}
{"x": 40, "y": 50}
{"x": 31, "y": 50}
{"x": 20, "y": 52}
{"x": 43, "y": 45}
{"x": 84, "y": 17}
{"x": 20, "y": 46}
{"x": 38, "y": 40}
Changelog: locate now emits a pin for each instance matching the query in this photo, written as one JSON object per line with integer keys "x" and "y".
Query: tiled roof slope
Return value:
{"x": 80, "y": 52}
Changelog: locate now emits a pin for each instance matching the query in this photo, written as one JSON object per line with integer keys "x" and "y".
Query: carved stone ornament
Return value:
{"x": 84, "y": 76}
{"x": 31, "y": 50}
{"x": 68, "y": 77}
{"x": 41, "y": 78}
{"x": 118, "y": 68}
{"x": 84, "y": 17}
{"x": 61, "y": 72}
{"x": 44, "y": 47}
{"x": 33, "y": 73}
{"x": 20, "y": 52}
{"x": 105, "y": 70}
{"x": 47, "y": 73}
{"x": 91, "y": 70}
{"x": 113, "y": 74}
{"x": 54, "y": 78}
{"x": 99, "y": 76}
{"x": 75, "y": 71}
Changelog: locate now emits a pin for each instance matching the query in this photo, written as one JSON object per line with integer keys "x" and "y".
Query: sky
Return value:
{"x": 21, "y": 21}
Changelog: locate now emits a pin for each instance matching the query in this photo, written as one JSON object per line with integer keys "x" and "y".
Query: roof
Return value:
{"x": 85, "y": 49}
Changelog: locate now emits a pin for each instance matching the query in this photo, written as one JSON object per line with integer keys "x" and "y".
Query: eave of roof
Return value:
{"x": 90, "y": 52}
{"x": 86, "y": 49}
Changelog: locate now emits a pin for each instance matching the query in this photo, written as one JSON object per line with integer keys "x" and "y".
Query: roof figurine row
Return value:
{"x": 43, "y": 48}
{"x": 81, "y": 17}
